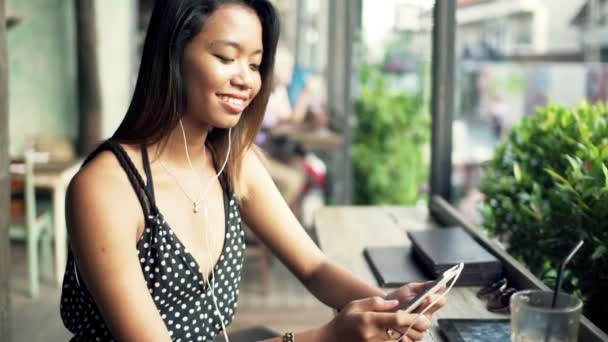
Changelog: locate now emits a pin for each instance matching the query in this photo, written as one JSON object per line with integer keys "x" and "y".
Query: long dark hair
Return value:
{"x": 160, "y": 94}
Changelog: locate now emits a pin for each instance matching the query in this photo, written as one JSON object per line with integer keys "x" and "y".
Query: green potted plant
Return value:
{"x": 546, "y": 188}
{"x": 388, "y": 142}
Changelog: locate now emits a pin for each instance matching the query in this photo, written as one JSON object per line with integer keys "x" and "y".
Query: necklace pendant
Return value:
{"x": 196, "y": 208}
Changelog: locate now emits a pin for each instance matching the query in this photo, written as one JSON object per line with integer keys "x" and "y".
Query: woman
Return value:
{"x": 183, "y": 156}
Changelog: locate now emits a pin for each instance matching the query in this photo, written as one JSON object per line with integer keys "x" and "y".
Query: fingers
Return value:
{"x": 417, "y": 322}
{"x": 374, "y": 325}
{"x": 400, "y": 320}
{"x": 409, "y": 338}
{"x": 412, "y": 335}
{"x": 375, "y": 304}
{"x": 438, "y": 305}
{"x": 441, "y": 290}
{"x": 396, "y": 336}
{"x": 405, "y": 339}
{"x": 419, "y": 287}
{"x": 415, "y": 335}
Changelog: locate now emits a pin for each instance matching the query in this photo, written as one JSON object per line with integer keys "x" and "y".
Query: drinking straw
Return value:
{"x": 560, "y": 272}
{"x": 558, "y": 284}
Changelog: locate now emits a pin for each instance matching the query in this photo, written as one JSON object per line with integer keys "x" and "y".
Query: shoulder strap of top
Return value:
{"x": 143, "y": 194}
{"x": 146, "y": 162}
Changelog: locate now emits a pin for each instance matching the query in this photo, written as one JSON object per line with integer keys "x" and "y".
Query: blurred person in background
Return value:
{"x": 154, "y": 215}
{"x": 300, "y": 88}
{"x": 281, "y": 161}
{"x": 294, "y": 106}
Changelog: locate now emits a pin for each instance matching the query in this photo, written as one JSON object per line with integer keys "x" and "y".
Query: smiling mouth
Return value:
{"x": 232, "y": 104}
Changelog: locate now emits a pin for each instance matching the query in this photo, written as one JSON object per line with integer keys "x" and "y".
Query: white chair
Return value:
{"x": 35, "y": 228}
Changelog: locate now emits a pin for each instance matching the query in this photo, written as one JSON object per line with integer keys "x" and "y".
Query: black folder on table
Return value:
{"x": 441, "y": 248}
{"x": 394, "y": 266}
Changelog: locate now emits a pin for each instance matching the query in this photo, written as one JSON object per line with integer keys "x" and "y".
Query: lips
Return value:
{"x": 234, "y": 104}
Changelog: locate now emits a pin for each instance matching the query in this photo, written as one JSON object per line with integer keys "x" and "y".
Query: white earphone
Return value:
{"x": 206, "y": 213}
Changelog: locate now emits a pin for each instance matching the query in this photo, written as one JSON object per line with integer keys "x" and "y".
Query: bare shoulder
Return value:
{"x": 253, "y": 155}
{"x": 101, "y": 177}
{"x": 101, "y": 193}
{"x": 253, "y": 172}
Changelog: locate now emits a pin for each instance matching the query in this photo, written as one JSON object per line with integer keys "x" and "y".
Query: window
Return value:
{"x": 510, "y": 61}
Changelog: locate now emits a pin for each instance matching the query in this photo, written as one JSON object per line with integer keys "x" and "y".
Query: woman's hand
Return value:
{"x": 407, "y": 292}
{"x": 370, "y": 320}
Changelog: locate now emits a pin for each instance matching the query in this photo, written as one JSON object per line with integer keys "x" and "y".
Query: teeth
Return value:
{"x": 232, "y": 100}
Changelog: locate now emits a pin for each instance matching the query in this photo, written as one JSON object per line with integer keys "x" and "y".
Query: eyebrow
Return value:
{"x": 234, "y": 45}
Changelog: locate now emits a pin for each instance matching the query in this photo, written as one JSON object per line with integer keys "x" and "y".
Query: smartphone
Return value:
{"x": 437, "y": 284}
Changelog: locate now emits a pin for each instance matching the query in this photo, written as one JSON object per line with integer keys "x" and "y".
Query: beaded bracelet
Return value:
{"x": 288, "y": 337}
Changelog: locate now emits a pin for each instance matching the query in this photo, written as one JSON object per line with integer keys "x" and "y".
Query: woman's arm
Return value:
{"x": 365, "y": 312}
{"x": 267, "y": 214}
{"x": 103, "y": 215}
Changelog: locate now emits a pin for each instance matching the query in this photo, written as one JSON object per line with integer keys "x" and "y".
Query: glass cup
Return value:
{"x": 533, "y": 318}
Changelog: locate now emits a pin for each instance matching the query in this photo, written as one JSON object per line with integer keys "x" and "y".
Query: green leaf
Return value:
{"x": 532, "y": 212}
{"x": 584, "y": 132}
{"x": 605, "y": 170}
{"x": 604, "y": 153}
{"x": 547, "y": 124}
{"x": 566, "y": 119}
{"x": 517, "y": 171}
{"x": 599, "y": 252}
{"x": 573, "y": 162}
{"x": 595, "y": 152}
{"x": 560, "y": 179}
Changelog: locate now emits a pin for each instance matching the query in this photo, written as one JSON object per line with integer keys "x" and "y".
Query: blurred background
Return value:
{"x": 357, "y": 117}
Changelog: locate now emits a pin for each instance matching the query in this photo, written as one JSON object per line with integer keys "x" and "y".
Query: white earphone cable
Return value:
{"x": 430, "y": 305}
{"x": 200, "y": 185}
{"x": 212, "y": 284}
{"x": 205, "y": 211}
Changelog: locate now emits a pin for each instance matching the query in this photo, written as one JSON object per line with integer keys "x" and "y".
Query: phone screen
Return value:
{"x": 476, "y": 330}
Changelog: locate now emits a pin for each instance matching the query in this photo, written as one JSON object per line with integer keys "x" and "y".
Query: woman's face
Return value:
{"x": 221, "y": 66}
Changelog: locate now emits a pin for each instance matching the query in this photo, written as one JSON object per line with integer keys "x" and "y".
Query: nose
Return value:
{"x": 243, "y": 78}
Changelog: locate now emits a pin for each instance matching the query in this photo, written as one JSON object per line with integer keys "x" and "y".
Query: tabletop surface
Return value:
{"x": 51, "y": 167}
{"x": 344, "y": 232}
{"x": 310, "y": 138}
{"x": 55, "y": 166}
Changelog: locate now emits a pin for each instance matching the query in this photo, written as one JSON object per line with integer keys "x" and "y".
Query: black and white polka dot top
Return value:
{"x": 173, "y": 276}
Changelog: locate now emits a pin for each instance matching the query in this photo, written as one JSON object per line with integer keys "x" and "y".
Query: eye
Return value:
{"x": 224, "y": 60}
{"x": 254, "y": 67}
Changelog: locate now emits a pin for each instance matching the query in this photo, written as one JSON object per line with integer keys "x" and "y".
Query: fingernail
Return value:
{"x": 392, "y": 302}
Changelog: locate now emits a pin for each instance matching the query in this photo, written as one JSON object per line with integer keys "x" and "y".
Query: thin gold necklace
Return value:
{"x": 195, "y": 202}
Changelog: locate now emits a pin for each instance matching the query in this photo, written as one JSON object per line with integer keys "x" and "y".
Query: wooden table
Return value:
{"x": 56, "y": 176}
{"x": 317, "y": 139}
{"x": 311, "y": 139}
{"x": 344, "y": 232}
